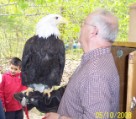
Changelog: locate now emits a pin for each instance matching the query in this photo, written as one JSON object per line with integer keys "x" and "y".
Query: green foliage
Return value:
{"x": 19, "y": 18}
{"x": 23, "y": 4}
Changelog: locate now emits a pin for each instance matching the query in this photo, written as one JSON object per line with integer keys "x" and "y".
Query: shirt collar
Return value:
{"x": 95, "y": 53}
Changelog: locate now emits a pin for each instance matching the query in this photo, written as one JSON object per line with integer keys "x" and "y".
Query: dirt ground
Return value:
{"x": 70, "y": 66}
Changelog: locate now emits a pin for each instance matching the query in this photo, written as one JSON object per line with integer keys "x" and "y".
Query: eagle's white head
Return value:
{"x": 47, "y": 26}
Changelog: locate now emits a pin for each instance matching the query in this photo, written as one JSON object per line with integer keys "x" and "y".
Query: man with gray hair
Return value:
{"x": 93, "y": 89}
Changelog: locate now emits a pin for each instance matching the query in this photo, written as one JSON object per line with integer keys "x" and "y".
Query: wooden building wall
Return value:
{"x": 120, "y": 51}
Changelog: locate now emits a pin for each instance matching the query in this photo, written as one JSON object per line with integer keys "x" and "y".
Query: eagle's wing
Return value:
{"x": 43, "y": 61}
{"x": 26, "y": 61}
{"x": 62, "y": 57}
{"x": 55, "y": 65}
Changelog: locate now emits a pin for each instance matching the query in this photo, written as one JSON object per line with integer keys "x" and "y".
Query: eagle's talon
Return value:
{"x": 28, "y": 90}
{"x": 48, "y": 92}
{"x": 56, "y": 87}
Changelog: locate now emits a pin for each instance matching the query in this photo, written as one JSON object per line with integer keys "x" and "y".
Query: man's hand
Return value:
{"x": 51, "y": 115}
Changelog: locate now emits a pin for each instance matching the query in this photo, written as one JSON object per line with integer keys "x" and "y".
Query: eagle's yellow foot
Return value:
{"x": 56, "y": 87}
{"x": 28, "y": 90}
{"x": 48, "y": 91}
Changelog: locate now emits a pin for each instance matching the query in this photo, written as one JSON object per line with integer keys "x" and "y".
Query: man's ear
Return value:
{"x": 93, "y": 32}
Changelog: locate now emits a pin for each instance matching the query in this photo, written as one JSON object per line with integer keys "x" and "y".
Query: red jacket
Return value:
{"x": 10, "y": 85}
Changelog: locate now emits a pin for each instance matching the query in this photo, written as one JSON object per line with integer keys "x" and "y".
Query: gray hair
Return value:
{"x": 107, "y": 24}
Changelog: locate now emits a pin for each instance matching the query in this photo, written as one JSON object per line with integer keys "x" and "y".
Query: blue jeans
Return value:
{"x": 2, "y": 114}
{"x": 14, "y": 114}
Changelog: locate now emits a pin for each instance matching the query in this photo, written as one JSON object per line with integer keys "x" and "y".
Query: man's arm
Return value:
{"x": 96, "y": 98}
{"x": 53, "y": 115}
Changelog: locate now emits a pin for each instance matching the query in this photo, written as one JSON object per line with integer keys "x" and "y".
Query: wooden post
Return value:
{"x": 132, "y": 23}
{"x": 131, "y": 90}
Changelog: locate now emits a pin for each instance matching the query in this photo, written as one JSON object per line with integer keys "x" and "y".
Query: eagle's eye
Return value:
{"x": 56, "y": 17}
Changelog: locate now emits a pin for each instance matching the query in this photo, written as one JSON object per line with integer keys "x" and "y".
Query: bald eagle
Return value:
{"x": 43, "y": 57}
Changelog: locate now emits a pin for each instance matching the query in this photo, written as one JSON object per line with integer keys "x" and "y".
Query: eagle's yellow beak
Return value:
{"x": 63, "y": 21}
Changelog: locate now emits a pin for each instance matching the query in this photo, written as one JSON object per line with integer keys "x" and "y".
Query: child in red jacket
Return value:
{"x": 11, "y": 84}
